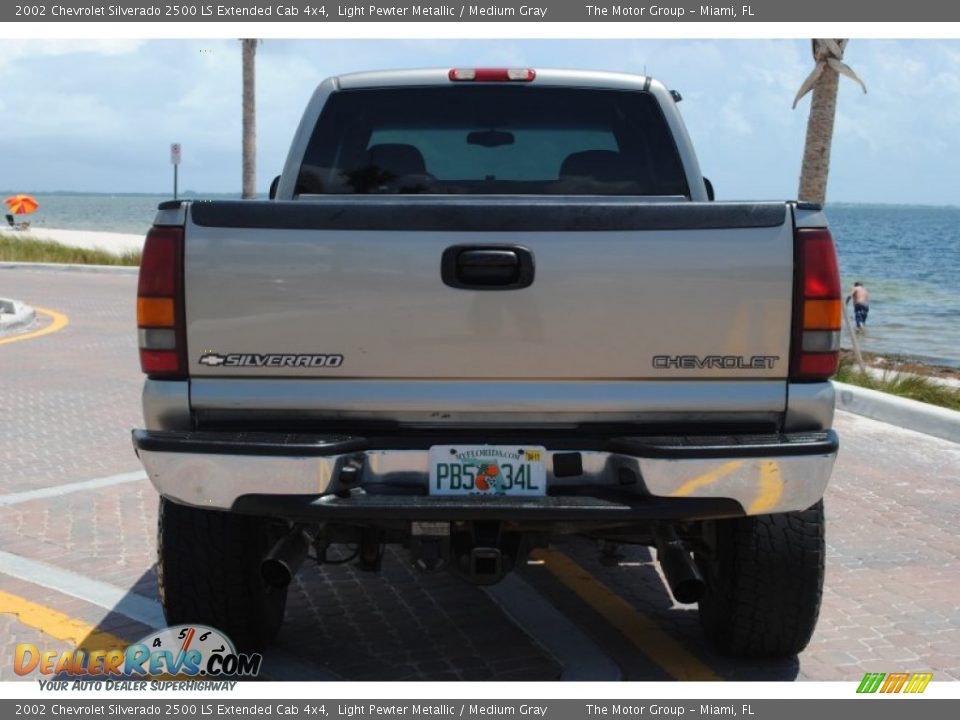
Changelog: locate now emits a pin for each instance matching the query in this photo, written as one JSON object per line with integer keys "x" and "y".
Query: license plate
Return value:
{"x": 488, "y": 470}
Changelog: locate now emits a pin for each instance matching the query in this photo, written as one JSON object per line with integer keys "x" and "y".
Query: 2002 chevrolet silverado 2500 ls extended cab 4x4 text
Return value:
{"x": 482, "y": 309}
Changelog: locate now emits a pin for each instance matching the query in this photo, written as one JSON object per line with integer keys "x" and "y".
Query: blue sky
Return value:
{"x": 99, "y": 115}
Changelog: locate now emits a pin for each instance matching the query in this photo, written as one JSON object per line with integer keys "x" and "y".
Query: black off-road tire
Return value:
{"x": 208, "y": 572}
{"x": 764, "y": 583}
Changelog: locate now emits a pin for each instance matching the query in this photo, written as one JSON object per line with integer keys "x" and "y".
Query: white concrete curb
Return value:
{"x": 14, "y": 316}
{"x": 921, "y": 417}
{"x": 69, "y": 267}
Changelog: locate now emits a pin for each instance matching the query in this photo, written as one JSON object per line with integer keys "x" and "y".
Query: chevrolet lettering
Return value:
{"x": 717, "y": 362}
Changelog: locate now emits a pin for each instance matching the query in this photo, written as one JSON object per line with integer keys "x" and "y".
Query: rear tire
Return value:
{"x": 764, "y": 582}
{"x": 208, "y": 571}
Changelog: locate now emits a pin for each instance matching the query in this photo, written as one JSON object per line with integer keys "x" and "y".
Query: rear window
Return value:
{"x": 493, "y": 139}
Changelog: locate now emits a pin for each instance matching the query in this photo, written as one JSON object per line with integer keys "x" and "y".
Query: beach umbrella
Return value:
{"x": 21, "y": 204}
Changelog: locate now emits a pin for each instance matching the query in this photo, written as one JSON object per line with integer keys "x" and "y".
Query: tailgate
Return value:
{"x": 621, "y": 290}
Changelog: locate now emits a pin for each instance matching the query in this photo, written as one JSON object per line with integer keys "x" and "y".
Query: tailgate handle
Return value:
{"x": 487, "y": 267}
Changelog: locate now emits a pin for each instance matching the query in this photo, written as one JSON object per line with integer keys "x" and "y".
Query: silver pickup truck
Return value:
{"x": 484, "y": 309}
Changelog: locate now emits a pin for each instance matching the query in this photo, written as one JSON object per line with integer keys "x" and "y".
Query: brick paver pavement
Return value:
{"x": 69, "y": 399}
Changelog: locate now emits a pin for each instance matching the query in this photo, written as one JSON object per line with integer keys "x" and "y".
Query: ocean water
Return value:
{"x": 111, "y": 213}
{"x": 907, "y": 257}
{"x": 909, "y": 260}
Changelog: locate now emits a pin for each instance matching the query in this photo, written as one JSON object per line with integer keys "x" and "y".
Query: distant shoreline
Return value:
{"x": 262, "y": 195}
{"x": 188, "y": 195}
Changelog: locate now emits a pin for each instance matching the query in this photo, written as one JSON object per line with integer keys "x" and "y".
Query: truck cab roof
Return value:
{"x": 542, "y": 76}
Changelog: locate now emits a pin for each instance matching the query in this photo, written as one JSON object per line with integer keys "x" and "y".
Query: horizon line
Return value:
{"x": 185, "y": 193}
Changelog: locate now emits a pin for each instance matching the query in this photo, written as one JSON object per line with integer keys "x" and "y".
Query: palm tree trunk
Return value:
{"x": 249, "y": 119}
{"x": 816, "y": 151}
{"x": 824, "y": 81}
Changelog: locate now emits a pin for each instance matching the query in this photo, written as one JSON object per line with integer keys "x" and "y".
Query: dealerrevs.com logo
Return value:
{"x": 901, "y": 682}
{"x": 182, "y": 651}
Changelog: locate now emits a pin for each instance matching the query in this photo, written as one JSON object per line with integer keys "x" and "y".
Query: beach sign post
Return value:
{"x": 175, "y": 161}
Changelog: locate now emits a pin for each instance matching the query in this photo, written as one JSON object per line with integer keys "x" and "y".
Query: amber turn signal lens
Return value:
{"x": 821, "y": 315}
{"x": 155, "y": 312}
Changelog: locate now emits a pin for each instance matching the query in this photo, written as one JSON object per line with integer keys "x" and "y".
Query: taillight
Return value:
{"x": 491, "y": 74}
{"x": 160, "y": 314}
{"x": 817, "y": 307}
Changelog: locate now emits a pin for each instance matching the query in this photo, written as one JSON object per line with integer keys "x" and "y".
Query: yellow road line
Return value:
{"x": 771, "y": 488}
{"x": 82, "y": 635}
{"x": 58, "y": 625}
{"x": 633, "y": 625}
{"x": 706, "y": 479}
{"x": 59, "y": 321}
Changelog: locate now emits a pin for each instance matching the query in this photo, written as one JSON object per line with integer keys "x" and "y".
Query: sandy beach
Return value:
{"x": 116, "y": 243}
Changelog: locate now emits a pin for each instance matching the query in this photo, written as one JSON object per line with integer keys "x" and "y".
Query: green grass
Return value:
{"x": 32, "y": 250}
{"x": 908, "y": 386}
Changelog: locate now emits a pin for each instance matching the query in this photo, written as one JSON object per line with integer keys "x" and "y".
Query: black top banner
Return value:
{"x": 440, "y": 11}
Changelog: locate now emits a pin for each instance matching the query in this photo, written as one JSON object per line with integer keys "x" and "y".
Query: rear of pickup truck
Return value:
{"x": 486, "y": 309}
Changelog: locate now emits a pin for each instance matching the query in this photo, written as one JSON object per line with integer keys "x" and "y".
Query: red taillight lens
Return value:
{"x": 160, "y": 312}
{"x": 159, "y": 362}
{"x": 492, "y": 74}
{"x": 817, "y": 307}
{"x": 821, "y": 278}
{"x": 817, "y": 366}
{"x": 160, "y": 262}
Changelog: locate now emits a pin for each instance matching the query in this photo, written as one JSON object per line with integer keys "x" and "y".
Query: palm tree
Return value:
{"x": 249, "y": 118}
{"x": 824, "y": 81}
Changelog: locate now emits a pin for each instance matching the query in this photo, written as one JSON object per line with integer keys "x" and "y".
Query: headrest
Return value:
{"x": 397, "y": 158}
{"x": 601, "y": 165}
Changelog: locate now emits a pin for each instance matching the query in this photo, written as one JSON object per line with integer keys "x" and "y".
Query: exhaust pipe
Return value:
{"x": 282, "y": 562}
{"x": 685, "y": 581}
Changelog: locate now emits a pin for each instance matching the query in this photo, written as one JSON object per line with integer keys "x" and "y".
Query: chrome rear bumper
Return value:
{"x": 342, "y": 476}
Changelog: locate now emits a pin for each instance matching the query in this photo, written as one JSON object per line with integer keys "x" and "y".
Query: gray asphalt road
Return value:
{"x": 76, "y": 557}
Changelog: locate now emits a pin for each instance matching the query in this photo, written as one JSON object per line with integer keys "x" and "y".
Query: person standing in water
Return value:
{"x": 861, "y": 304}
